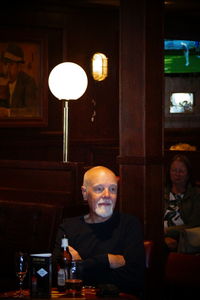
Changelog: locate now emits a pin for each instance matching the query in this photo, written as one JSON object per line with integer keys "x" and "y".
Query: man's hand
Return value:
{"x": 74, "y": 253}
{"x": 116, "y": 261}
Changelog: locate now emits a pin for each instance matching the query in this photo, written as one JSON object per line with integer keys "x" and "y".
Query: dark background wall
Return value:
{"x": 74, "y": 34}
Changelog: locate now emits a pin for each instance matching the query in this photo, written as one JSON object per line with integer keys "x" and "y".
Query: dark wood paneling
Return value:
{"x": 141, "y": 137}
{"x": 141, "y": 134}
{"x": 47, "y": 182}
{"x": 77, "y": 42}
{"x": 96, "y": 152}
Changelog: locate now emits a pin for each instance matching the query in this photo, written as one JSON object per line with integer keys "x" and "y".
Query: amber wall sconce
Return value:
{"x": 99, "y": 66}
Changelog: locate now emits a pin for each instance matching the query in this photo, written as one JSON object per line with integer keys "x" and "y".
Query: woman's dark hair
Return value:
{"x": 185, "y": 160}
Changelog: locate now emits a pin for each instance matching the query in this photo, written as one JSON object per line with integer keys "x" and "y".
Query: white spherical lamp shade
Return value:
{"x": 67, "y": 81}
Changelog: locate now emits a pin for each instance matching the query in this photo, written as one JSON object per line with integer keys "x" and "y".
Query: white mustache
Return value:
{"x": 107, "y": 201}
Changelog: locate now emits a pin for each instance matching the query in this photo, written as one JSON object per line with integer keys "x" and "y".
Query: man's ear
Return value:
{"x": 84, "y": 192}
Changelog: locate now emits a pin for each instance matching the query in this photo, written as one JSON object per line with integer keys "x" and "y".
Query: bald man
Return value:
{"x": 109, "y": 243}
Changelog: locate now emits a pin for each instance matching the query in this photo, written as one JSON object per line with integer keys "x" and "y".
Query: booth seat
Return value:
{"x": 182, "y": 276}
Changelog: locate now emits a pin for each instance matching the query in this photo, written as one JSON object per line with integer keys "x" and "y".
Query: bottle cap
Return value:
{"x": 64, "y": 242}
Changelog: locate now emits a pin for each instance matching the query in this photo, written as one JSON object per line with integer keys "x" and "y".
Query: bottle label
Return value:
{"x": 61, "y": 277}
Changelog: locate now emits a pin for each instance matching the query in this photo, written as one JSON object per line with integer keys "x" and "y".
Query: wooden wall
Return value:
{"x": 33, "y": 177}
{"x": 74, "y": 34}
{"x": 54, "y": 183}
{"x": 141, "y": 131}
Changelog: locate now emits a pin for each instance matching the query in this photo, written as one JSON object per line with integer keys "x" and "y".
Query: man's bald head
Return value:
{"x": 100, "y": 172}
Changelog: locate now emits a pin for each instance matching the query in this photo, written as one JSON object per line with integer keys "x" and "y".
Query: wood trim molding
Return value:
{"x": 140, "y": 160}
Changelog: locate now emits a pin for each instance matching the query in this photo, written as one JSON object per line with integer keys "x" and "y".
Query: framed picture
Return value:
{"x": 182, "y": 101}
{"x": 23, "y": 79}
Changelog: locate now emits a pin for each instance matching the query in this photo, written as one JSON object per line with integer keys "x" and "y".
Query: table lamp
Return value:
{"x": 67, "y": 81}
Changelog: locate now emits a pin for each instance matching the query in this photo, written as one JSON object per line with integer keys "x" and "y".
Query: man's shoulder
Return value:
{"x": 127, "y": 218}
{"x": 72, "y": 220}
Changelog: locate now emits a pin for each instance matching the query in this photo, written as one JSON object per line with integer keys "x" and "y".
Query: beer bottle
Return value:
{"x": 63, "y": 265}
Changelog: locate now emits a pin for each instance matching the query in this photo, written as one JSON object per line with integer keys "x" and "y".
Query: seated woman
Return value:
{"x": 182, "y": 201}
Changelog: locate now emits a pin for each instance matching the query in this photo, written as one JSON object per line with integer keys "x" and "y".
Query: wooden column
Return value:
{"x": 141, "y": 115}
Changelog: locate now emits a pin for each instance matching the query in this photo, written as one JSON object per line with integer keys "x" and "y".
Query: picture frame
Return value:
{"x": 181, "y": 103}
{"x": 23, "y": 79}
{"x": 183, "y": 112}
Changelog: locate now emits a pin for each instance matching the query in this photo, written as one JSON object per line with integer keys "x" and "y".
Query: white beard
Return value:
{"x": 104, "y": 211}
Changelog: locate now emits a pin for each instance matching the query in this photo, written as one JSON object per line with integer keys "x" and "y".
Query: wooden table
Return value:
{"x": 87, "y": 293}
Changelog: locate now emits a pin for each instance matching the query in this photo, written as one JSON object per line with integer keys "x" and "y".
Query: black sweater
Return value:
{"x": 121, "y": 234}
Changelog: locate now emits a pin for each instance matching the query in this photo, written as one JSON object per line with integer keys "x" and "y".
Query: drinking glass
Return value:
{"x": 21, "y": 268}
{"x": 74, "y": 283}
